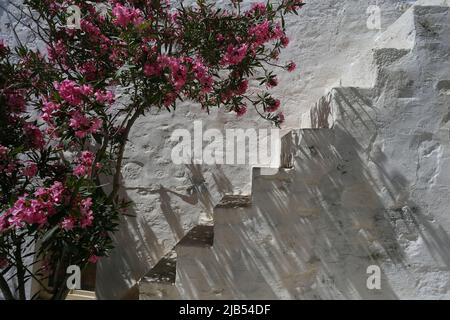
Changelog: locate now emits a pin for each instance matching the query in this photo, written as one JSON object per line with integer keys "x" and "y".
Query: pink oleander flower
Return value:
{"x": 30, "y": 211}
{"x": 87, "y": 215}
{"x": 169, "y": 98}
{"x": 90, "y": 28}
{"x": 284, "y": 41}
{"x": 178, "y": 71}
{"x": 85, "y": 162}
{"x": 87, "y": 157}
{"x": 123, "y": 15}
{"x": 3, "y": 47}
{"x": 35, "y": 211}
{"x": 202, "y": 75}
{"x": 278, "y": 32}
{"x": 281, "y": 118}
{"x": 30, "y": 170}
{"x": 48, "y": 110}
{"x": 68, "y": 223}
{"x": 34, "y": 135}
{"x": 259, "y": 8}
{"x": 241, "y": 110}
{"x": 57, "y": 192}
{"x": 152, "y": 70}
{"x": 96, "y": 124}
{"x": 242, "y": 87}
{"x": 93, "y": 259}
{"x": 83, "y": 126}
{"x": 273, "y": 105}
{"x": 16, "y": 102}
{"x": 3, "y": 151}
{"x": 260, "y": 33}
{"x": 291, "y": 66}
{"x": 73, "y": 93}
{"x": 80, "y": 171}
{"x": 78, "y": 120}
{"x": 104, "y": 97}
{"x": 3, "y": 261}
{"x": 57, "y": 52}
{"x": 3, "y": 221}
{"x": 89, "y": 70}
{"x": 273, "y": 82}
{"x": 235, "y": 54}
{"x": 86, "y": 220}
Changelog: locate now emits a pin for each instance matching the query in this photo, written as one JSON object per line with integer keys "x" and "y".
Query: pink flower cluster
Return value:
{"x": 86, "y": 216}
{"x": 49, "y": 110}
{"x": 258, "y": 7}
{"x": 89, "y": 70}
{"x": 124, "y": 16}
{"x": 93, "y": 258}
{"x": 90, "y": 28}
{"x": 57, "y": 52}
{"x": 240, "y": 89}
{"x": 203, "y": 76}
{"x": 34, "y": 136}
{"x": 104, "y": 97}
{"x": 84, "y": 164}
{"x": 178, "y": 71}
{"x": 3, "y": 261}
{"x": 273, "y": 105}
{"x": 235, "y": 54}
{"x": 15, "y": 101}
{"x": 295, "y": 4}
{"x": 242, "y": 110}
{"x": 33, "y": 210}
{"x": 177, "y": 74}
{"x": 83, "y": 125}
{"x": 3, "y": 152}
{"x": 73, "y": 93}
{"x": 6, "y": 166}
{"x": 3, "y": 47}
{"x": 30, "y": 170}
{"x": 79, "y": 121}
{"x": 291, "y": 66}
{"x": 264, "y": 32}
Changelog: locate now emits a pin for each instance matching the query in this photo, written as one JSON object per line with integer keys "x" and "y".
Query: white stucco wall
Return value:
{"x": 293, "y": 243}
{"x": 321, "y": 46}
{"x": 372, "y": 190}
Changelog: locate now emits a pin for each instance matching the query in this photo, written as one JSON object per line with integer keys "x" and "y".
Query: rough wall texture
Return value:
{"x": 171, "y": 199}
{"x": 370, "y": 190}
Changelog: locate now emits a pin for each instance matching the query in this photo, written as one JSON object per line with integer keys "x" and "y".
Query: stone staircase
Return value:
{"x": 346, "y": 195}
{"x": 81, "y": 295}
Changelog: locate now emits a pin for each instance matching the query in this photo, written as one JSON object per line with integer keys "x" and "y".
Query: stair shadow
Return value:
{"x": 138, "y": 249}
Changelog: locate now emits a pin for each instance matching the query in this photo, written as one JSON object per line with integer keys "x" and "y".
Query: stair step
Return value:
{"x": 164, "y": 271}
{"x": 235, "y": 201}
{"x": 199, "y": 236}
{"x": 81, "y": 295}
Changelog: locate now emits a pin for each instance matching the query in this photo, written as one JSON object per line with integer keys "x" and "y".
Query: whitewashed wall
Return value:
{"x": 373, "y": 190}
{"x": 328, "y": 38}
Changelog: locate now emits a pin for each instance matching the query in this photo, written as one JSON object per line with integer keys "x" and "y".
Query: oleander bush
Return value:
{"x": 63, "y": 131}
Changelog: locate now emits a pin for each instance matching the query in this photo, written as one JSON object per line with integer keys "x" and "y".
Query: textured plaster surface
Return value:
{"x": 311, "y": 231}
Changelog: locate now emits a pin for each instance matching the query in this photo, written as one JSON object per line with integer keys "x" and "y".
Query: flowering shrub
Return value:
{"x": 62, "y": 132}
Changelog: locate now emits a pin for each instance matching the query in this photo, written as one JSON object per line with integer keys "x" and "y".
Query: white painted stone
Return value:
{"x": 312, "y": 231}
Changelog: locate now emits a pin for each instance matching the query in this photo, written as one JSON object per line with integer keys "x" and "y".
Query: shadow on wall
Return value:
{"x": 138, "y": 248}
{"x": 313, "y": 231}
